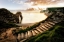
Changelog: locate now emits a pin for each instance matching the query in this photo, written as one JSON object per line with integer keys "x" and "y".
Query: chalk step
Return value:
{"x": 39, "y": 30}
{"x": 26, "y": 35}
{"x": 44, "y": 27}
{"x": 29, "y": 33}
{"x": 22, "y": 35}
{"x": 33, "y": 33}
{"x": 49, "y": 25}
{"x": 52, "y": 23}
{"x": 19, "y": 37}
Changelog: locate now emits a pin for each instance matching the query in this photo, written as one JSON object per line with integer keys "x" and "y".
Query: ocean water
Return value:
{"x": 32, "y": 16}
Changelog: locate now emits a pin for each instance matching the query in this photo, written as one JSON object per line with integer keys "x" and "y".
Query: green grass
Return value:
{"x": 55, "y": 34}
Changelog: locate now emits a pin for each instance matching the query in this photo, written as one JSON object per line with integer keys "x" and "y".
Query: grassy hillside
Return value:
{"x": 55, "y": 34}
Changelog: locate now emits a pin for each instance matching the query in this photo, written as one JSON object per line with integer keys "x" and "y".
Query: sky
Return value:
{"x": 30, "y": 4}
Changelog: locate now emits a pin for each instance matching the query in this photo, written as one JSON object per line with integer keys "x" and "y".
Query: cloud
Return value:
{"x": 35, "y": 8}
{"x": 38, "y": 4}
{"x": 44, "y": 2}
{"x": 30, "y": 9}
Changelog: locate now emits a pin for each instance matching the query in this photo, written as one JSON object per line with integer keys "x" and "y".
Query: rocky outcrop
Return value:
{"x": 19, "y": 16}
{"x": 7, "y": 16}
{"x": 7, "y": 20}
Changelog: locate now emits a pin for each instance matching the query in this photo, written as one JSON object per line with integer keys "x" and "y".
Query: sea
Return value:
{"x": 31, "y": 16}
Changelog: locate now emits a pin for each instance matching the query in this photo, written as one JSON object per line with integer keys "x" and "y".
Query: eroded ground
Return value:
{"x": 6, "y": 35}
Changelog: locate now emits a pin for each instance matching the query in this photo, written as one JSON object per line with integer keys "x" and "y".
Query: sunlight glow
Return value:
{"x": 40, "y": 7}
{"x": 33, "y": 17}
{"x": 53, "y": 0}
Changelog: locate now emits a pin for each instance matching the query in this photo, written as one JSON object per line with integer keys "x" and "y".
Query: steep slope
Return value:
{"x": 6, "y": 18}
{"x": 54, "y": 34}
{"x": 41, "y": 27}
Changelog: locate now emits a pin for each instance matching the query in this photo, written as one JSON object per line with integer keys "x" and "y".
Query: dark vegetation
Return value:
{"x": 55, "y": 9}
{"x": 6, "y": 19}
{"x": 7, "y": 25}
{"x": 59, "y": 9}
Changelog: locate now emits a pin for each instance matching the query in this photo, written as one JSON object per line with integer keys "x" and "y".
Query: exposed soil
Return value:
{"x": 6, "y": 35}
